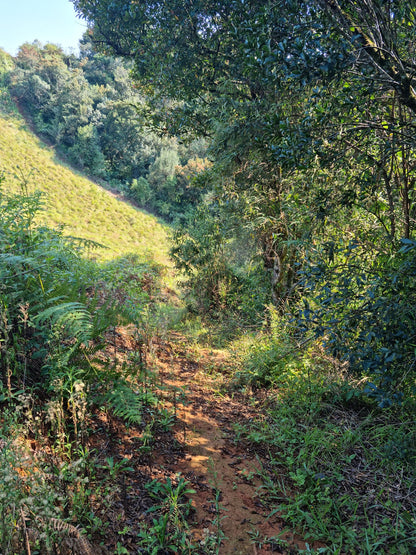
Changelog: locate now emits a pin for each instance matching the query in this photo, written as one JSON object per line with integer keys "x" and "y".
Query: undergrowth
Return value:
{"x": 77, "y": 343}
{"x": 62, "y": 369}
{"x": 340, "y": 469}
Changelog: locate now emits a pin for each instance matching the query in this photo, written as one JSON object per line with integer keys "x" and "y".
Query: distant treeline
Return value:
{"x": 88, "y": 108}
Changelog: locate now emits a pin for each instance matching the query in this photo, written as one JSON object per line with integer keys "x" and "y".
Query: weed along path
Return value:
{"x": 221, "y": 471}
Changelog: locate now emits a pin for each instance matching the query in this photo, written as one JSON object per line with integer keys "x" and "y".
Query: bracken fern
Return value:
{"x": 126, "y": 404}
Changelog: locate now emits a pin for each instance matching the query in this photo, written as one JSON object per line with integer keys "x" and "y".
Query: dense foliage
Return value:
{"x": 89, "y": 110}
{"x": 53, "y": 322}
{"x": 301, "y": 228}
{"x": 309, "y": 107}
{"x": 40, "y": 303}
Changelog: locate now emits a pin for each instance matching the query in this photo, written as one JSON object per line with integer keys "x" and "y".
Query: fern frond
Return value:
{"x": 78, "y": 542}
{"x": 126, "y": 403}
{"x": 64, "y": 527}
{"x": 84, "y": 244}
{"x": 71, "y": 319}
{"x": 19, "y": 263}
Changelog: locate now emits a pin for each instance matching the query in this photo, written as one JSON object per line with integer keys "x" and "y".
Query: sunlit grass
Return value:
{"x": 71, "y": 200}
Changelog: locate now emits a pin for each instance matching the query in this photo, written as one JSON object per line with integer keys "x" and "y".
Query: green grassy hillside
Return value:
{"x": 83, "y": 207}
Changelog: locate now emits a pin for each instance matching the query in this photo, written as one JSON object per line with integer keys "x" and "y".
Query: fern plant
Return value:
{"x": 68, "y": 320}
{"x": 46, "y": 324}
{"x": 126, "y": 403}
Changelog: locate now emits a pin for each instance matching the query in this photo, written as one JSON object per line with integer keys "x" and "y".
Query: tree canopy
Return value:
{"x": 88, "y": 108}
{"x": 310, "y": 110}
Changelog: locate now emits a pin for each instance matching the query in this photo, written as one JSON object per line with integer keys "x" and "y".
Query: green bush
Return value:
{"x": 364, "y": 311}
{"x": 141, "y": 191}
{"x": 204, "y": 249}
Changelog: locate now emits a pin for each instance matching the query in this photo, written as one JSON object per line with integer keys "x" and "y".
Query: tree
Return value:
{"x": 310, "y": 111}
{"x": 383, "y": 36}
{"x": 268, "y": 71}
{"x": 194, "y": 52}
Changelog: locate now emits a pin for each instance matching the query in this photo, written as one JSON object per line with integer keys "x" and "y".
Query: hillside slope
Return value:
{"x": 83, "y": 207}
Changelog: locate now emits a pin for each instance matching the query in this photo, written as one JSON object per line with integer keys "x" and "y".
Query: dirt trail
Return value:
{"x": 213, "y": 461}
{"x": 201, "y": 446}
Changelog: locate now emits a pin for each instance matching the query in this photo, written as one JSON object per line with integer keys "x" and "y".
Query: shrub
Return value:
{"x": 364, "y": 311}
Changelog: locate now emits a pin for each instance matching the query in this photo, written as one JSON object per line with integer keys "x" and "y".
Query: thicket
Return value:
{"x": 88, "y": 108}
{"x": 309, "y": 108}
{"x": 56, "y": 311}
{"x": 333, "y": 453}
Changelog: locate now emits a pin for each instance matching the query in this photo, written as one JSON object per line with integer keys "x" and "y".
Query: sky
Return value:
{"x": 45, "y": 20}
